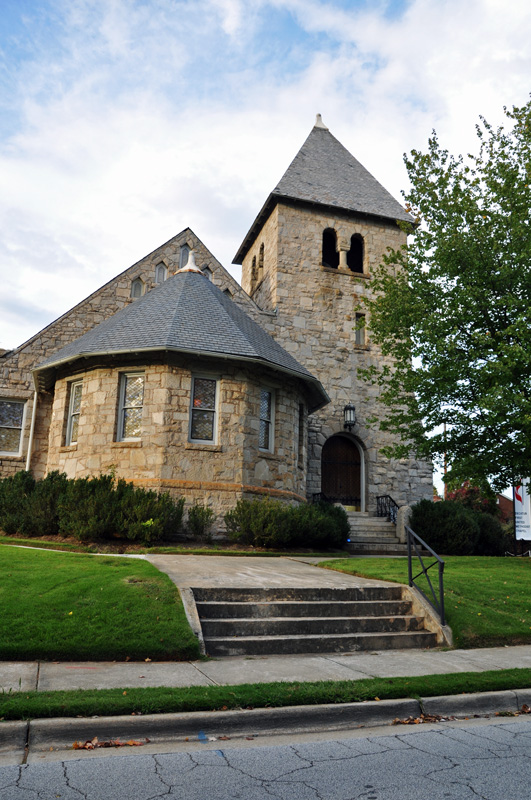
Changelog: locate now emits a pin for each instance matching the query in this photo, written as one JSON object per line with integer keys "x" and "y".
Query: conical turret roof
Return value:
{"x": 324, "y": 172}
{"x": 185, "y": 314}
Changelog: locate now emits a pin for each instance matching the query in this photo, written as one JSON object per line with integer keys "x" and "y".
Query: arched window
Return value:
{"x": 355, "y": 254}
{"x": 137, "y": 288}
{"x": 161, "y": 273}
{"x": 183, "y": 256}
{"x": 227, "y": 293}
{"x": 207, "y": 273}
{"x": 261, "y": 263}
{"x": 330, "y": 254}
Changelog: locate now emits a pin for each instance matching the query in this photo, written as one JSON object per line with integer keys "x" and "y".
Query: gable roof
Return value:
{"x": 324, "y": 172}
{"x": 186, "y": 314}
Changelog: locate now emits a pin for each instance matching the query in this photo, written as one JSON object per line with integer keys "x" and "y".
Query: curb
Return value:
{"x": 60, "y": 734}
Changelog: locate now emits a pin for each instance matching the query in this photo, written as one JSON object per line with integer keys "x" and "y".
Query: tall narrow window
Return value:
{"x": 203, "y": 410}
{"x": 330, "y": 254}
{"x": 11, "y": 421}
{"x": 360, "y": 329}
{"x": 254, "y": 274}
{"x": 355, "y": 254}
{"x": 207, "y": 273}
{"x": 130, "y": 408}
{"x": 265, "y": 439}
{"x": 161, "y": 273}
{"x": 300, "y": 438}
{"x": 183, "y": 256}
{"x": 261, "y": 263}
{"x": 74, "y": 408}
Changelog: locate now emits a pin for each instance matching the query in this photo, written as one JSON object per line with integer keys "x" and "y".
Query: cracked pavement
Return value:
{"x": 490, "y": 760}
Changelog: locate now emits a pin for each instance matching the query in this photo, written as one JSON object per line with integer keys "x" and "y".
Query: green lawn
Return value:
{"x": 487, "y": 600}
{"x": 66, "y": 606}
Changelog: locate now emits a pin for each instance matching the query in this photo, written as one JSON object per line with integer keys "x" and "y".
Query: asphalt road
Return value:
{"x": 481, "y": 759}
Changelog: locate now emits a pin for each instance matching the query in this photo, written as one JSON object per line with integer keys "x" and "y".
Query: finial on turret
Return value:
{"x": 319, "y": 123}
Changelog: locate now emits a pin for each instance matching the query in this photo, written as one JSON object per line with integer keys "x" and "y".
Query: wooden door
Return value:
{"x": 341, "y": 471}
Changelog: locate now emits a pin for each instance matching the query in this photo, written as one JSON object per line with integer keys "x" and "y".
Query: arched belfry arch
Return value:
{"x": 343, "y": 471}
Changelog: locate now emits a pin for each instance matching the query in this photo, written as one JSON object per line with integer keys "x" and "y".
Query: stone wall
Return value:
{"x": 164, "y": 458}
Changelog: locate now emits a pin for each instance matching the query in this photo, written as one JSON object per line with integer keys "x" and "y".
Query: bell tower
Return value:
{"x": 308, "y": 259}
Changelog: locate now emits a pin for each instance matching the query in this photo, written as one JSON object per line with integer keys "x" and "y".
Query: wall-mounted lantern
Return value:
{"x": 349, "y": 416}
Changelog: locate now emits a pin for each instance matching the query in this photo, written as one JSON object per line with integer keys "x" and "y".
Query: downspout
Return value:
{"x": 32, "y": 428}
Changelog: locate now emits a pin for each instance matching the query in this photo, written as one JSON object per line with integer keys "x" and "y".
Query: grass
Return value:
{"x": 65, "y": 606}
{"x": 487, "y": 600}
{"x": 110, "y": 702}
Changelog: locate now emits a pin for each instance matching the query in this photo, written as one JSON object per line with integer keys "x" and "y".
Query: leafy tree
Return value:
{"x": 454, "y": 310}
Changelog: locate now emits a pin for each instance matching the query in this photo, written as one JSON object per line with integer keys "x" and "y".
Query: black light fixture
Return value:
{"x": 349, "y": 416}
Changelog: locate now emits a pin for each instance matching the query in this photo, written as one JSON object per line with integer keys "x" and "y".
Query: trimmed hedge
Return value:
{"x": 270, "y": 523}
{"x": 88, "y": 509}
{"x": 452, "y": 529}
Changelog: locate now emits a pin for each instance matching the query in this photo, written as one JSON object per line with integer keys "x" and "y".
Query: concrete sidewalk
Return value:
{"x": 46, "y": 676}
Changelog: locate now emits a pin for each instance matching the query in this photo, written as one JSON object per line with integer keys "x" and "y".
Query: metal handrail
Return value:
{"x": 386, "y": 507}
{"x": 412, "y": 540}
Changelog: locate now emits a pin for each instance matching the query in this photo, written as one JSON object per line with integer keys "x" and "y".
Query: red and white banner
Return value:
{"x": 522, "y": 511}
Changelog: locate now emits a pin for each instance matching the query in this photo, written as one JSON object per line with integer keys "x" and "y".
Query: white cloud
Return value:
{"x": 132, "y": 120}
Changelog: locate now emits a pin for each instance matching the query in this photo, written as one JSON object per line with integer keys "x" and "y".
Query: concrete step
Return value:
{"x": 307, "y": 620}
{"x": 338, "y": 643}
{"x": 376, "y": 549}
{"x": 316, "y": 608}
{"x": 304, "y": 593}
{"x": 303, "y": 626}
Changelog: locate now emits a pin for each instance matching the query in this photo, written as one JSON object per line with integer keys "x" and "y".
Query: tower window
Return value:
{"x": 261, "y": 263}
{"x": 355, "y": 254}
{"x": 330, "y": 254}
{"x": 360, "y": 330}
{"x": 207, "y": 273}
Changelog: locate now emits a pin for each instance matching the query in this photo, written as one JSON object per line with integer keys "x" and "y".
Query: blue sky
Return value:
{"x": 124, "y": 121}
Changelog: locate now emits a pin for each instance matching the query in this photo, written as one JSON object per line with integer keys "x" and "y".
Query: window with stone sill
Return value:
{"x": 359, "y": 331}
{"x": 74, "y": 409}
{"x": 131, "y": 404}
{"x": 330, "y": 256}
{"x": 11, "y": 424}
{"x": 183, "y": 256}
{"x": 355, "y": 254}
{"x": 267, "y": 420}
{"x": 203, "y": 414}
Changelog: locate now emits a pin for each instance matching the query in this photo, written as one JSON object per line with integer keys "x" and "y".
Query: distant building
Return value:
{"x": 180, "y": 379}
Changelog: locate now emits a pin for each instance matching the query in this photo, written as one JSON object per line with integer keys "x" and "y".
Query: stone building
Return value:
{"x": 180, "y": 379}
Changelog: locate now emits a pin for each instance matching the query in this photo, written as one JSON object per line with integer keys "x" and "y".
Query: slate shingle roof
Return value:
{"x": 188, "y": 314}
{"x": 324, "y": 172}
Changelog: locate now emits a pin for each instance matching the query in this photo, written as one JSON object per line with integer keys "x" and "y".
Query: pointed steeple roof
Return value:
{"x": 185, "y": 314}
{"x": 324, "y": 172}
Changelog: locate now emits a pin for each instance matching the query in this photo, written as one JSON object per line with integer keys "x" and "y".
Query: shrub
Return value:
{"x": 272, "y": 524}
{"x": 200, "y": 521}
{"x": 88, "y": 509}
{"x": 453, "y": 529}
{"x": 147, "y": 516}
{"x": 14, "y": 493}
{"x": 41, "y": 512}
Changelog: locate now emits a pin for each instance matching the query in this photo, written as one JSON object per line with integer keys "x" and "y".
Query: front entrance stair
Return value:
{"x": 245, "y": 622}
{"x": 373, "y": 536}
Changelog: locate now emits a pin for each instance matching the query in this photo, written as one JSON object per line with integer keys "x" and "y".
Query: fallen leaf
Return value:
{"x": 147, "y": 659}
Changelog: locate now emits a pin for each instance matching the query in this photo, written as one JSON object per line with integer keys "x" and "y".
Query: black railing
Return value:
{"x": 345, "y": 501}
{"x": 413, "y": 542}
{"x": 386, "y": 507}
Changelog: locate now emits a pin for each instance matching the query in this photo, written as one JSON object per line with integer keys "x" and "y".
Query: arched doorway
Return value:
{"x": 342, "y": 472}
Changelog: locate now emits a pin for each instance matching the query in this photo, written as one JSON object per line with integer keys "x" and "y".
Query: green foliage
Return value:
{"x": 454, "y": 311}
{"x": 200, "y": 521}
{"x": 451, "y": 528}
{"x": 14, "y": 493}
{"x": 89, "y": 509}
{"x": 270, "y": 523}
